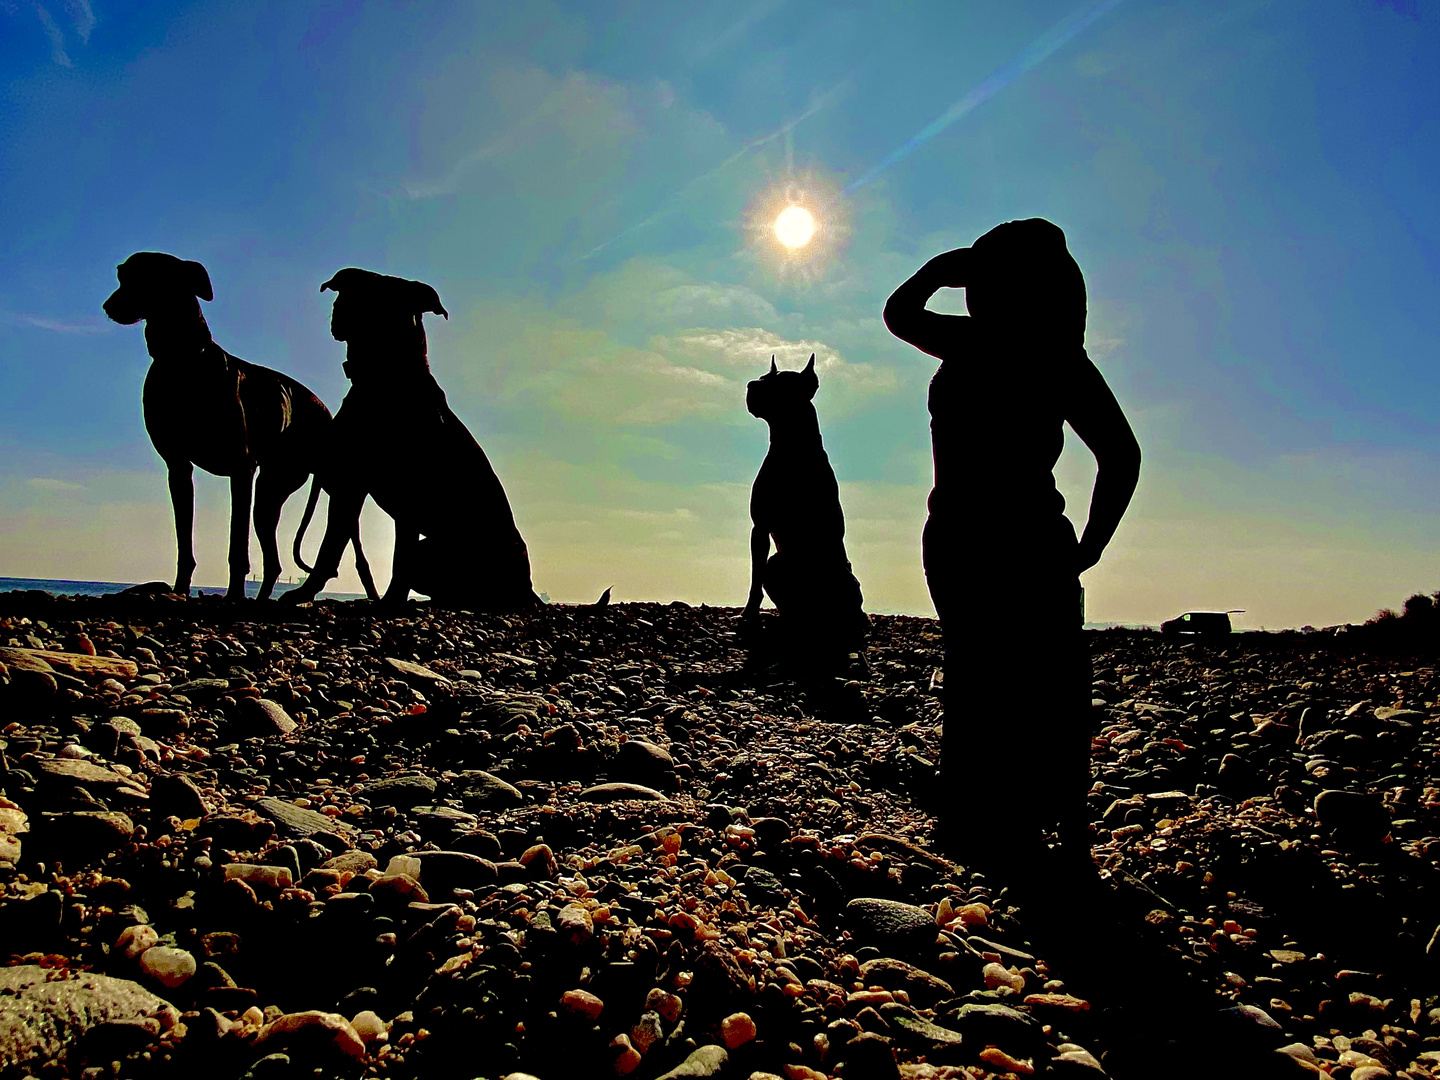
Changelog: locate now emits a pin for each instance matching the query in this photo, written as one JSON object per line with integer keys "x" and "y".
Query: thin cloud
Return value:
{"x": 56, "y": 36}
{"x": 83, "y": 16}
{"x": 50, "y": 483}
{"x": 58, "y": 326}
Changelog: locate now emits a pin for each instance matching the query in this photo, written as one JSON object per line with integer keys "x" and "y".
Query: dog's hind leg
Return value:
{"x": 182, "y": 500}
{"x": 402, "y": 568}
{"x": 342, "y": 525}
{"x": 241, "y": 486}
{"x": 362, "y": 568}
{"x": 273, "y": 486}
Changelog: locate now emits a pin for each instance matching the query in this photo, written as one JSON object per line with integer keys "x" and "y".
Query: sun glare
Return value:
{"x": 795, "y": 226}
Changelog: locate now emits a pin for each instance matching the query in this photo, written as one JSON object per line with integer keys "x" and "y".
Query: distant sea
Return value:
{"x": 106, "y": 588}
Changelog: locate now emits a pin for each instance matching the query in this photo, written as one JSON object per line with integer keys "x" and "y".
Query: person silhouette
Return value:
{"x": 1001, "y": 559}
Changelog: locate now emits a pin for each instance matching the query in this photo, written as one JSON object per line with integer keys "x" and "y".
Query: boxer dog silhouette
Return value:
{"x": 205, "y": 407}
{"x": 398, "y": 441}
{"x": 796, "y": 502}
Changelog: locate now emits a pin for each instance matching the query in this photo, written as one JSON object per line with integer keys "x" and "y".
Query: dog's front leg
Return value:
{"x": 759, "y": 551}
{"x": 402, "y": 568}
{"x": 242, "y": 485}
{"x": 182, "y": 501}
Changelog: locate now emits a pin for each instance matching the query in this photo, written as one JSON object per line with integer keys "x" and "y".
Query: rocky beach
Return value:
{"x": 279, "y": 842}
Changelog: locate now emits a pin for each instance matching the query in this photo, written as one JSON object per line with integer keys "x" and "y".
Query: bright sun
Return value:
{"x": 794, "y": 227}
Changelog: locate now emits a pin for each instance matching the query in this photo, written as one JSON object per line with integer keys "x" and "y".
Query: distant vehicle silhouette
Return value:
{"x": 1205, "y": 623}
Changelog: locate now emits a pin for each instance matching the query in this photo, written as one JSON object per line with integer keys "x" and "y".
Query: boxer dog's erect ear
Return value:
{"x": 197, "y": 280}
{"x": 773, "y": 368}
{"x": 810, "y": 375}
{"x": 426, "y": 299}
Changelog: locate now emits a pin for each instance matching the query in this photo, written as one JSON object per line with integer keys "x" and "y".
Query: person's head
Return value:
{"x": 1023, "y": 274}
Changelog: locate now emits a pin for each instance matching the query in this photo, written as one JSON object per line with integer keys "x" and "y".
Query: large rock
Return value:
{"x": 47, "y": 1014}
{"x": 999, "y": 1025}
{"x": 77, "y": 664}
{"x": 299, "y": 822}
{"x": 417, "y": 675}
{"x": 1354, "y": 817}
{"x": 884, "y": 923}
{"x": 175, "y": 793}
{"x": 641, "y": 762}
{"x": 617, "y": 792}
{"x": 708, "y": 1060}
{"x": 924, "y": 989}
{"x": 265, "y": 718}
{"x": 76, "y": 837}
{"x": 480, "y": 788}
{"x": 402, "y": 792}
{"x": 63, "y": 775}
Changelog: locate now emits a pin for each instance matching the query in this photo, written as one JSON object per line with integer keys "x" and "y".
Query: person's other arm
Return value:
{"x": 1097, "y": 418}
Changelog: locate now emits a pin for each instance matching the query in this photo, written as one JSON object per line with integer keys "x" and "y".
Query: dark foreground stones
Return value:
{"x": 601, "y": 842}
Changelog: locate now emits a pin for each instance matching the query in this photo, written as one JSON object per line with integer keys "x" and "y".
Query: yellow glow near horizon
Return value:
{"x": 794, "y": 227}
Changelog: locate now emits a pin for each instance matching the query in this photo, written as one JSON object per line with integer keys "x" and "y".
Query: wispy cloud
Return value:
{"x": 58, "y": 326}
{"x": 83, "y": 16}
{"x": 50, "y": 483}
{"x": 56, "y": 36}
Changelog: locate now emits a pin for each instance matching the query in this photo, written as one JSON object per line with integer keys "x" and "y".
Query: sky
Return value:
{"x": 1249, "y": 188}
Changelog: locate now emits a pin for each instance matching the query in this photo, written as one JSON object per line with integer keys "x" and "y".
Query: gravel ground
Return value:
{"x": 276, "y": 842}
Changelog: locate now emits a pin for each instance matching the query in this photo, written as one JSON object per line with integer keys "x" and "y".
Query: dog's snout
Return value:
{"x": 119, "y": 309}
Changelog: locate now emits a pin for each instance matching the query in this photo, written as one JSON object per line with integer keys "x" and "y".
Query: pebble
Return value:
{"x": 134, "y": 940}
{"x": 582, "y": 1003}
{"x": 169, "y": 967}
{"x": 736, "y": 1030}
{"x": 369, "y": 1027}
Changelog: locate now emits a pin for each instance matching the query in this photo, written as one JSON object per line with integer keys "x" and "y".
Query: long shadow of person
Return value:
{"x": 1003, "y": 562}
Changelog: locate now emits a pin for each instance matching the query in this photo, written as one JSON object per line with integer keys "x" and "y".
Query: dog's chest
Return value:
{"x": 195, "y": 414}
{"x": 793, "y": 486}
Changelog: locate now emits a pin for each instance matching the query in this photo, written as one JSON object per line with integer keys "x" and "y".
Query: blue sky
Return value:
{"x": 1248, "y": 187}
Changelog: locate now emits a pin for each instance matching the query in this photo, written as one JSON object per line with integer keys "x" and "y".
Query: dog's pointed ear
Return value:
{"x": 197, "y": 280}
{"x": 810, "y": 376}
{"x": 810, "y": 367}
{"x": 427, "y": 299}
{"x": 773, "y": 369}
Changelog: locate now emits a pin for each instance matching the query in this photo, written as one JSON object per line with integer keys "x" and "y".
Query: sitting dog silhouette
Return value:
{"x": 398, "y": 441}
{"x": 796, "y": 501}
{"x": 205, "y": 407}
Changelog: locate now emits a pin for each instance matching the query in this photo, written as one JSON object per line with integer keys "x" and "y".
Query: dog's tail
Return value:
{"x": 305, "y": 524}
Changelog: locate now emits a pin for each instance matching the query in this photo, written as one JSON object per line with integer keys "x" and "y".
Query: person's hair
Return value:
{"x": 1024, "y": 266}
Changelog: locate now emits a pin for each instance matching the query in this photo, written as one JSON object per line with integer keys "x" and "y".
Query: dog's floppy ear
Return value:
{"x": 197, "y": 280}
{"x": 342, "y": 279}
{"x": 426, "y": 299}
{"x": 773, "y": 368}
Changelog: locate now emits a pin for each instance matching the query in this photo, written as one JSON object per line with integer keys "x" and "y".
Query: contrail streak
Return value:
{"x": 689, "y": 185}
{"x": 992, "y": 84}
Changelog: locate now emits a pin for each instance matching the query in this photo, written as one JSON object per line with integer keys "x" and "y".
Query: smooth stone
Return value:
{"x": 485, "y": 789}
{"x": 1353, "y": 815}
{"x": 402, "y": 792}
{"x": 169, "y": 967}
{"x": 265, "y": 717}
{"x": 45, "y": 1016}
{"x": 575, "y": 925}
{"x": 174, "y": 793}
{"x": 875, "y": 921}
{"x": 998, "y": 1025}
{"x": 924, "y": 989}
{"x": 708, "y": 1060}
{"x": 324, "y": 1028}
{"x": 73, "y": 773}
{"x": 616, "y": 791}
{"x": 417, "y": 674}
{"x": 639, "y": 761}
{"x": 918, "y": 1032}
{"x": 80, "y": 835}
{"x": 356, "y": 862}
{"x": 444, "y": 870}
{"x": 298, "y": 821}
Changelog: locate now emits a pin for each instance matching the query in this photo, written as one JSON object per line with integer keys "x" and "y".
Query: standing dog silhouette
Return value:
{"x": 796, "y": 501}
{"x": 398, "y": 440}
{"x": 206, "y": 407}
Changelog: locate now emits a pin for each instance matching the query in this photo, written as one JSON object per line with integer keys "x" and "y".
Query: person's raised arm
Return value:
{"x": 906, "y": 315}
{"x": 1097, "y": 418}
